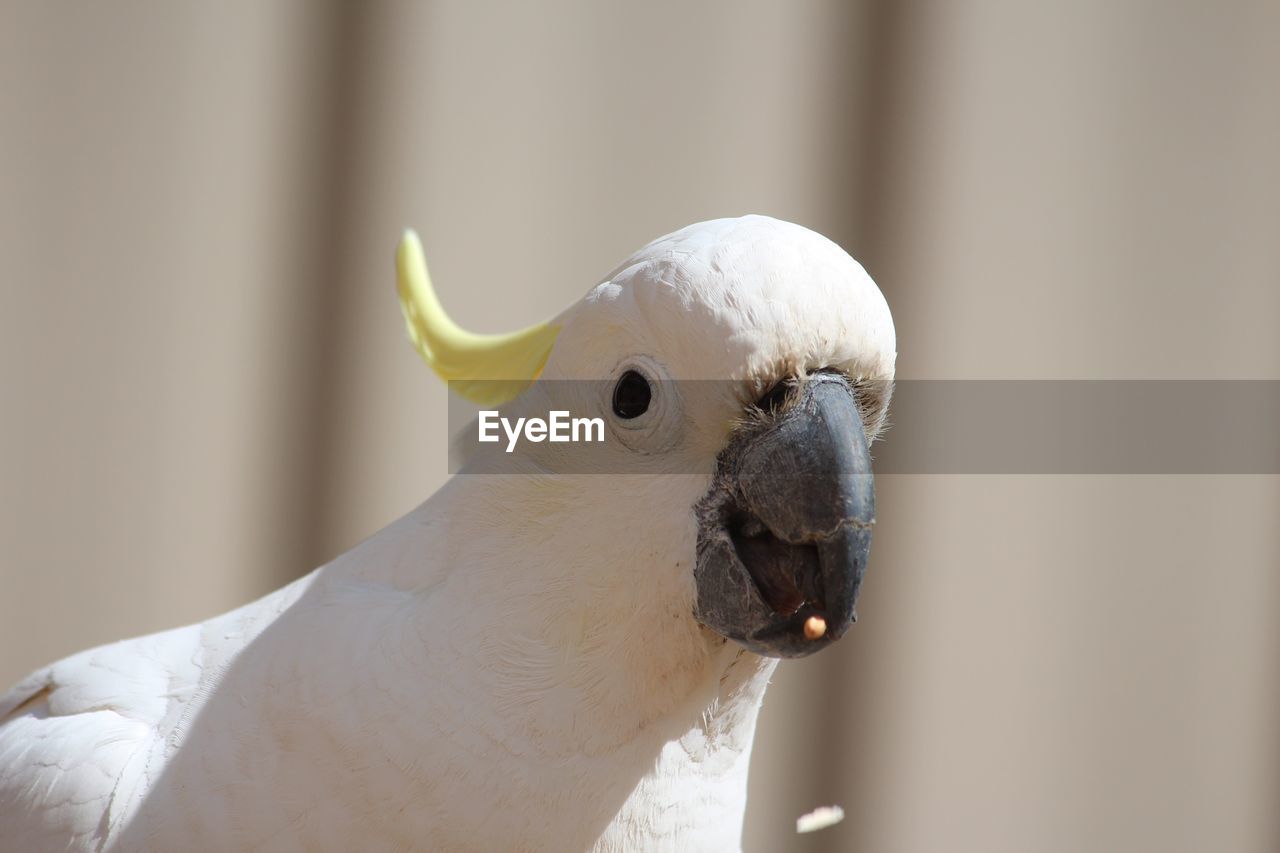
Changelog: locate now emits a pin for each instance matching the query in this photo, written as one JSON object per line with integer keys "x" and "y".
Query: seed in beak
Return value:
{"x": 815, "y": 627}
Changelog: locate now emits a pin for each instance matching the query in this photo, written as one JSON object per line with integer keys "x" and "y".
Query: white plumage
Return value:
{"x": 514, "y": 665}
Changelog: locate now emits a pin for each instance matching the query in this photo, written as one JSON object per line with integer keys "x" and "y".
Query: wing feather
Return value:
{"x": 78, "y": 738}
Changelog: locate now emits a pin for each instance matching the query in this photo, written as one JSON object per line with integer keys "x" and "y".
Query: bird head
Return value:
{"x": 741, "y": 369}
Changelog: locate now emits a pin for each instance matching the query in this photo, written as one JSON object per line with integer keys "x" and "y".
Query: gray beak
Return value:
{"x": 785, "y": 529}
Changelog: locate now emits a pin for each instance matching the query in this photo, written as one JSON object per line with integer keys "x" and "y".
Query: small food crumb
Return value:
{"x": 819, "y": 818}
{"x": 815, "y": 627}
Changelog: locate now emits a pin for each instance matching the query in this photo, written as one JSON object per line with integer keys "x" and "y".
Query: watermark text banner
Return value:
{"x": 935, "y": 427}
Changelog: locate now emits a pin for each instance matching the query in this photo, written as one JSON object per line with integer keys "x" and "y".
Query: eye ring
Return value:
{"x": 631, "y": 395}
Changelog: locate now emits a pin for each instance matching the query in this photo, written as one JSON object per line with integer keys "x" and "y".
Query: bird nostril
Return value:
{"x": 774, "y": 399}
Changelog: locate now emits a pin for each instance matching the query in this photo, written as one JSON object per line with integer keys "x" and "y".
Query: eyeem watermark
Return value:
{"x": 558, "y": 426}
{"x": 1073, "y": 427}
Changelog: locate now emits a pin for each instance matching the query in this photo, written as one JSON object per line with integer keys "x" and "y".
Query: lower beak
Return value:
{"x": 785, "y": 530}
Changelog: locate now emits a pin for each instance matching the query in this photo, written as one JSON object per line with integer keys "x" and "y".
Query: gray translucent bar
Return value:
{"x": 960, "y": 427}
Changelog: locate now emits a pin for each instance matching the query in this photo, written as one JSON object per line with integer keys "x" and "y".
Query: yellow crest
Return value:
{"x": 486, "y": 369}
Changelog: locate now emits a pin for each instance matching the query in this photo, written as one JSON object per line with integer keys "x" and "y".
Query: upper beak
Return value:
{"x": 785, "y": 530}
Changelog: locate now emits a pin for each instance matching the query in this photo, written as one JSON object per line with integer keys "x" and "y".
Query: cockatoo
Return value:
{"x": 530, "y": 660}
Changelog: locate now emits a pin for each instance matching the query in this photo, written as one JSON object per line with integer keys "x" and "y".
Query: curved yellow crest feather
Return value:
{"x": 486, "y": 369}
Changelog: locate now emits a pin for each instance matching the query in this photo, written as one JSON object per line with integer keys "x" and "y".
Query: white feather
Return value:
{"x": 513, "y": 665}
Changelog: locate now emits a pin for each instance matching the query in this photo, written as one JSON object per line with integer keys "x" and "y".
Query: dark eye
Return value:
{"x": 631, "y": 395}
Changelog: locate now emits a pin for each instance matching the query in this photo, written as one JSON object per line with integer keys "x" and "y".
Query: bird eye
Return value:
{"x": 631, "y": 395}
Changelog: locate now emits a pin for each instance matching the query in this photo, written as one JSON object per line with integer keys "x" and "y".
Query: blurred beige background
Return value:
{"x": 207, "y": 390}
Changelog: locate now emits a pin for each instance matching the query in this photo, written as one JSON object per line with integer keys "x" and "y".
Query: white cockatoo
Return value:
{"x": 531, "y": 659}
